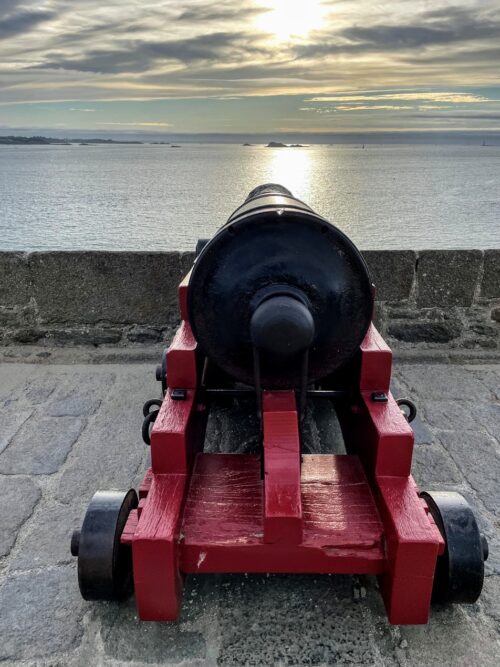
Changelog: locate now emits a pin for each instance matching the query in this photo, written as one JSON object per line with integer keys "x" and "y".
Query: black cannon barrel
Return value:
{"x": 280, "y": 279}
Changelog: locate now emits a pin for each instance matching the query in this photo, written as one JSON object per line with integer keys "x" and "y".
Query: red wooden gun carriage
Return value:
{"x": 278, "y": 310}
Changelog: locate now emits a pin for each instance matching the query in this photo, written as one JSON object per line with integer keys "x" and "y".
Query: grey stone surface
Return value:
{"x": 490, "y": 377}
{"x": 92, "y": 290}
{"x": 225, "y": 619}
{"x": 166, "y": 643}
{"x": 490, "y": 285}
{"x": 41, "y": 445}
{"x": 433, "y": 465}
{"x": 293, "y": 620}
{"x": 18, "y": 497}
{"x": 392, "y": 272}
{"x": 445, "y": 381}
{"x": 111, "y": 450}
{"x": 469, "y": 641}
{"x": 46, "y": 541}
{"x": 446, "y": 280}
{"x": 422, "y": 331}
{"x": 467, "y": 452}
{"x": 14, "y": 279}
{"x": 458, "y": 418}
{"x": 12, "y": 420}
{"x": 40, "y": 388}
{"x": 41, "y": 614}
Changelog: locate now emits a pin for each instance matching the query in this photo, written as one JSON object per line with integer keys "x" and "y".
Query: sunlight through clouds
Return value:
{"x": 250, "y": 66}
{"x": 285, "y": 19}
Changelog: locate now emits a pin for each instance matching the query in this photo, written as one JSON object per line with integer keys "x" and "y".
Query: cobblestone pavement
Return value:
{"x": 66, "y": 431}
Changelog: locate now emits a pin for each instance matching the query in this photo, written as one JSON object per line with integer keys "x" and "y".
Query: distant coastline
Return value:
{"x": 51, "y": 141}
{"x": 279, "y": 140}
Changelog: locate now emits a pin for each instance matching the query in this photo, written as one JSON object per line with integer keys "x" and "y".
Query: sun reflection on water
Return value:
{"x": 291, "y": 167}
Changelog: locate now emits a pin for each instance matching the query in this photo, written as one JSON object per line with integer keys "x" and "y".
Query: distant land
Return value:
{"x": 279, "y": 144}
{"x": 44, "y": 141}
{"x": 280, "y": 139}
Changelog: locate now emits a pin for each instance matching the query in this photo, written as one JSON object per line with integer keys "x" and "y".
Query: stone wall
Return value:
{"x": 431, "y": 298}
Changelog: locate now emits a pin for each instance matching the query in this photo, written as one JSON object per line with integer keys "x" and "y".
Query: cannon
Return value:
{"x": 276, "y": 314}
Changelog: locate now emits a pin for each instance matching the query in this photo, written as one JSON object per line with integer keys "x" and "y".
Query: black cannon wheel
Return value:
{"x": 460, "y": 569}
{"x": 104, "y": 564}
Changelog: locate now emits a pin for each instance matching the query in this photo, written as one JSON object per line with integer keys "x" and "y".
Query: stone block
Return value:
{"x": 425, "y": 331}
{"x": 18, "y": 497}
{"x": 38, "y": 389}
{"x": 442, "y": 381}
{"x": 82, "y": 396}
{"x": 110, "y": 451}
{"x": 13, "y": 417}
{"x": 41, "y": 615}
{"x": 433, "y": 465}
{"x": 450, "y": 639}
{"x": 490, "y": 284}
{"x": 144, "y": 335}
{"x": 126, "y": 639}
{"x": 463, "y": 416}
{"x": 84, "y": 336}
{"x": 14, "y": 279}
{"x": 466, "y": 452}
{"x": 41, "y": 445}
{"x": 447, "y": 278}
{"x": 489, "y": 376}
{"x": 47, "y": 542}
{"x": 27, "y": 335}
{"x": 392, "y": 272}
{"x": 115, "y": 287}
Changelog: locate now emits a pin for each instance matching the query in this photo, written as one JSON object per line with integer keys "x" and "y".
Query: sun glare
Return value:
{"x": 287, "y": 19}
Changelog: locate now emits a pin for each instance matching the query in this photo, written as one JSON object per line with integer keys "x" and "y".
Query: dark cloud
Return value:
{"x": 139, "y": 56}
{"x": 202, "y": 14}
{"x": 21, "y": 21}
{"x": 457, "y": 116}
{"x": 469, "y": 57}
{"x": 439, "y": 27}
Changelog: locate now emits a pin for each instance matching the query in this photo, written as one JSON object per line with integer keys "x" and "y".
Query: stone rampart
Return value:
{"x": 430, "y": 298}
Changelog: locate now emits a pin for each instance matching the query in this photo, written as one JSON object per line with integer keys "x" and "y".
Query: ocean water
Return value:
{"x": 153, "y": 197}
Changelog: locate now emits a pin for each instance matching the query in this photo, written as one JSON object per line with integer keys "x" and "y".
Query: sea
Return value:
{"x": 157, "y": 197}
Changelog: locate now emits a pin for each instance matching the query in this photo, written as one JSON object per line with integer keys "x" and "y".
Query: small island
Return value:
{"x": 247, "y": 144}
{"x": 278, "y": 144}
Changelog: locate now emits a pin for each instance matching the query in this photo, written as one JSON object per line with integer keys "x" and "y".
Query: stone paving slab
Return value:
{"x": 68, "y": 430}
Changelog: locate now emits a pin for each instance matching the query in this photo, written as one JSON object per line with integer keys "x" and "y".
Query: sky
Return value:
{"x": 249, "y": 66}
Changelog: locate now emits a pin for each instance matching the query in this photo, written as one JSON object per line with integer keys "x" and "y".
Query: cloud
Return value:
{"x": 435, "y": 96}
{"x": 22, "y": 21}
{"x": 200, "y": 14}
{"x": 374, "y": 107}
{"x": 87, "y": 51}
{"x": 137, "y": 124}
{"x": 435, "y": 28}
{"x": 138, "y": 56}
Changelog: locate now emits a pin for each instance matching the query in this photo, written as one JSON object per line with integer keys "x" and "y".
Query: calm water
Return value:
{"x": 156, "y": 197}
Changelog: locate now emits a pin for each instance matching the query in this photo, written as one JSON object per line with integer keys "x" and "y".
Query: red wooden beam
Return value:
{"x": 386, "y": 442}
{"x": 282, "y": 501}
{"x": 157, "y": 578}
{"x": 413, "y": 544}
{"x": 376, "y": 362}
{"x": 183, "y": 291}
{"x": 181, "y": 359}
